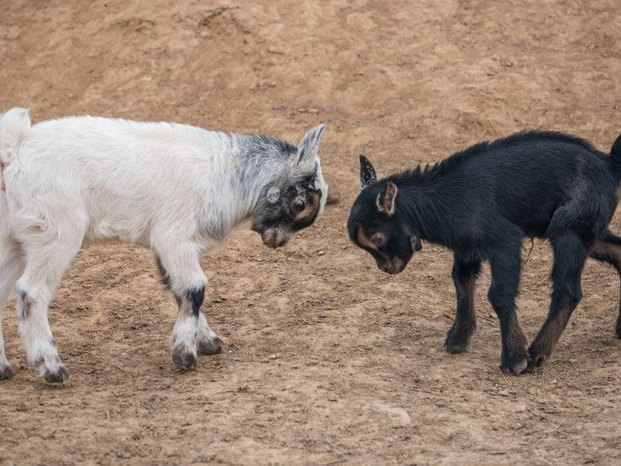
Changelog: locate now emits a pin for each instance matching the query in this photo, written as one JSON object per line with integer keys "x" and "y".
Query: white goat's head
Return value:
{"x": 296, "y": 199}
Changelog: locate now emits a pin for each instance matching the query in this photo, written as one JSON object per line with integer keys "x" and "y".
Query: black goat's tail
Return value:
{"x": 615, "y": 150}
{"x": 615, "y": 156}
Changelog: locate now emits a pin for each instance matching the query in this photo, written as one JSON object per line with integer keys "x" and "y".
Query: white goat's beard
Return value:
{"x": 276, "y": 237}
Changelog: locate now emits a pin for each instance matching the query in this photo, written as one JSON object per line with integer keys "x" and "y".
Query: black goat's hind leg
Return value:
{"x": 464, "y": 276}
{"x": 608, "y": 250}
{"x": 570, "y": 253}
{"x": 505, "y": 266}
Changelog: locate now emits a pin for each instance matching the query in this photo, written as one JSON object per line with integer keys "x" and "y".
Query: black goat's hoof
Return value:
{"x": 6, "y": 373}
{"x": 456, "y": 341}
{"x": 536, "y": 359}
{"x": 55, "y": 377}
{"x": 186, "y": 361}
{"x": 514, "y": 365}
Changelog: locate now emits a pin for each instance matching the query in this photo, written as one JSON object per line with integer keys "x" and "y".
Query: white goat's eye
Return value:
{"x": 299, "y": 205}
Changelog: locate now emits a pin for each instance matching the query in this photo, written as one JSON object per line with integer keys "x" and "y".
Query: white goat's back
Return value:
{"x": 122, "y": 178}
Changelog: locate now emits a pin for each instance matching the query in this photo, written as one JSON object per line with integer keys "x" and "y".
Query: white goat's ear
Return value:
{"x": 273, "y": 194}
{"x": 309, "y": 146}
{"x": 367, "y": 172}
{"x": 386, "y": 199}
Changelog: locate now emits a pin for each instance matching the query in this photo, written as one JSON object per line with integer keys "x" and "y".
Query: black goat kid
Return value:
{"x": 481, "y": 203}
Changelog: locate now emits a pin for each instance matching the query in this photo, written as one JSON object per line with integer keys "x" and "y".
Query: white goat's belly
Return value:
{"x": 105, "y": 230}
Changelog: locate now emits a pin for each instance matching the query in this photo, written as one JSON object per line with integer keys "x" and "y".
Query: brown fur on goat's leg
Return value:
{"x": 608, "y": 249}
{"x": 570, "y": 254}
{"x": 464, "y": 276}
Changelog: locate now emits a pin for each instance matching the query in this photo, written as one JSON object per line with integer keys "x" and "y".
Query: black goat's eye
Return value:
{"x": 378, "y": 239}
{"x": 299, "y": 205}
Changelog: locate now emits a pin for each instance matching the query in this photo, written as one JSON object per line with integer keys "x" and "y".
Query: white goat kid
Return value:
{"x": 175, "y": 188}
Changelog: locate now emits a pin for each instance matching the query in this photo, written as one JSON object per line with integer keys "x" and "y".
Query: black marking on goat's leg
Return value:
{"x": 24, "y": 304}
{"x": 164, "y": 277}
{"x": 464, "y": 276}
{"x": 184, "y": 351}
{"x": 196, "y": 297}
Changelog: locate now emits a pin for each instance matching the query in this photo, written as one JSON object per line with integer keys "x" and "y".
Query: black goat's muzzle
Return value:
{"x": 393, "y": 266}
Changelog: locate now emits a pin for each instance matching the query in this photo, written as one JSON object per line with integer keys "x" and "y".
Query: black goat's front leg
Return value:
{"x": 505, "y": 268}
{"x": 464, "y": 276}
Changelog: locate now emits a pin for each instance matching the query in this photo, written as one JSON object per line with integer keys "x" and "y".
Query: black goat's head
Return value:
{"x": 376, "y": 225}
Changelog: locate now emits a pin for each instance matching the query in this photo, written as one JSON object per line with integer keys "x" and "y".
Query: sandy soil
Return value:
{"x": 327, "y": 360}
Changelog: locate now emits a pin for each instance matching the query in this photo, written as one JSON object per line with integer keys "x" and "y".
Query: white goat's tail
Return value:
{"x": 14, "y": 125}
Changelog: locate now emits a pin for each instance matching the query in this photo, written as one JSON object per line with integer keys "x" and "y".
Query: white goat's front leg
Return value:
{"x": 45, "y": 264}
{"x": 181, "y": 272}
{"x": 11, "y": 267}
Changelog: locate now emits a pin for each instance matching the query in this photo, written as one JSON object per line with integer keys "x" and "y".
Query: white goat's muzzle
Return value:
{"x": 276, "y": 237}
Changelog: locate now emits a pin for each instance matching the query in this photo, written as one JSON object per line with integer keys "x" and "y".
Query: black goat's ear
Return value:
{"x": 386, "y": 199}
{"x": 416, "y": 244}
{"x": 367, "y": 172}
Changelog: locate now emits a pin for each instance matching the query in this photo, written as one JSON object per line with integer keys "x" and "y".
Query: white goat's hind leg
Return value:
{"x": 45, "y": 266}
{"x": 208, "y": 341}
{"x": 181, "y": 272}
{"x": 11, "y": 267}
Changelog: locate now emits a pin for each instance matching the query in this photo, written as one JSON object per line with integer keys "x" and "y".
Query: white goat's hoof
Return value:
{"x": 5, "y": 373}
{"x": 209, "y": 347}
{"x": 185, "y": 360}
{"x": 58, "y": 376}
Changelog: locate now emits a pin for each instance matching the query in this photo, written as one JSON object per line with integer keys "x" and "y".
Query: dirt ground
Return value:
{"x": 327, "y": 360}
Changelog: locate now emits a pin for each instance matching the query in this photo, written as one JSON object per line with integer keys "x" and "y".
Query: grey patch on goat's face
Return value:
{"x": 258, "y": 152}
{"x": 261, "y": 147}
{"x": 273, "y": 194}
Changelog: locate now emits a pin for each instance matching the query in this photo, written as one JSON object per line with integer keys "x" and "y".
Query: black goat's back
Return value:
{"x": 514, "y": 183}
